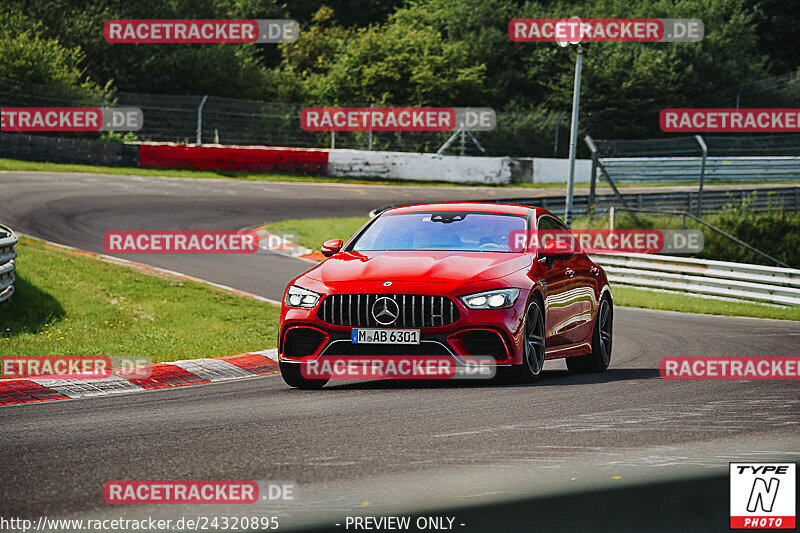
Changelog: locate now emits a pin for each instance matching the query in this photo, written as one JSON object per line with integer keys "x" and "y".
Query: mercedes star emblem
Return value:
{"x": 385, "y": 311}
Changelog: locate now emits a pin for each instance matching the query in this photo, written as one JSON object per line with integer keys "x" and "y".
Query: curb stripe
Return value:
{"x": 84, "y": 388}
{"x": 168, "y": 375}
{"x": 164, "y": 375}
{"x": 24, "y": 391}
{"x": 272, "y": 353}
{"x": 254, "y": 363}
{"x": 213, "y": 369}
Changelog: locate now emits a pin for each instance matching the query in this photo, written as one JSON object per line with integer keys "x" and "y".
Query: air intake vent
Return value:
{"x": 300, "y": 342}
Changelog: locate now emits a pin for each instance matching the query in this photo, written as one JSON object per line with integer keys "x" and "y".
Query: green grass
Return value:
{"x": 630, "y": 297}
{"x": 71, "y": 304}
{"x": 312, "y": 232}
{"x": 16, "y": 165}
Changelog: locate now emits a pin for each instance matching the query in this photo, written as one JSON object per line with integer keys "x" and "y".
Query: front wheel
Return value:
{"x": 290, "y": 372}
{"x": 533, "y": 348}
{"x": 600, "y": 357}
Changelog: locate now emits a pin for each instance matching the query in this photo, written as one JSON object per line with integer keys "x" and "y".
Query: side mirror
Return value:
{"x": 331, "y": 247}
{"x": 555, "y": 250}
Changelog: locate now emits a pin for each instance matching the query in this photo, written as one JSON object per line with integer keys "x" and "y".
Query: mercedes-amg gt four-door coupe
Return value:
{"x": 445, "y": 280}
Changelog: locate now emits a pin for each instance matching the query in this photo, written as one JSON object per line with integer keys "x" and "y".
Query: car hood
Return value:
{"x": 432, "y": 266}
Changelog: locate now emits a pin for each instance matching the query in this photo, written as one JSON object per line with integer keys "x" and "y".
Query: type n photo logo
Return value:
{"x": 763, "y": 495}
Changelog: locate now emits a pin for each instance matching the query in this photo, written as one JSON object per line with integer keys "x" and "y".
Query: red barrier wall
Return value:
{"x": 237, "y": 158}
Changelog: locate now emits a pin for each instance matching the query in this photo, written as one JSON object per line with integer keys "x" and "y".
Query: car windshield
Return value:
{"x": 456, "y": 231}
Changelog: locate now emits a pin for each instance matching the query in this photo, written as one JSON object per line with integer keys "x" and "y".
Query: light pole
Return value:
{"x": 573, "y": 136}
{"x": 555, "y": 141}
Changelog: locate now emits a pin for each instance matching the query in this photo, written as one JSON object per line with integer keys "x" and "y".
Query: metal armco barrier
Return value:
{"x": 704, "y": 277}
{"x": 637, "y": 169}
{"x": 760, "y": 199}
{"x": 8, "y": 262}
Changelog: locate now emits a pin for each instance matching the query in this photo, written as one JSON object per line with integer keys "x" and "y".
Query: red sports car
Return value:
{"x": 446, "y": 280}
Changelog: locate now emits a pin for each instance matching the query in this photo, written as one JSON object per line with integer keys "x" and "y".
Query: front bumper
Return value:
{"x": 495, "y": 333}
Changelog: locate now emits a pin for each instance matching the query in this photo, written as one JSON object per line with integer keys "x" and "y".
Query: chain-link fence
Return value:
{"x": 185, "y": 119}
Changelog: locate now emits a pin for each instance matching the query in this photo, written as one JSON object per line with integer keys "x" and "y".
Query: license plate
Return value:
{"x": 385, "y": 336}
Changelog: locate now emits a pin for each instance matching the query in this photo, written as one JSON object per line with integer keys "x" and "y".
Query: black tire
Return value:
{"x": 290, "y": 372}
{"x": 600, "y": 356}
{"x": 533, "y": 348}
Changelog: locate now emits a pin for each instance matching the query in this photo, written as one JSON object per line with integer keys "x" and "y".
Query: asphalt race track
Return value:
{"x": 580, "y": 444}
{"x": 77, "y": 209}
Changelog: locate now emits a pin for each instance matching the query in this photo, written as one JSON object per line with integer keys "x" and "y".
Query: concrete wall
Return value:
{"x": 339, "y": 163}
{"x": 423, "y": 167}
{"x": 550, "y": 170}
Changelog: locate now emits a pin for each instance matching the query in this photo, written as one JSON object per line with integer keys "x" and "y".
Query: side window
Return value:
{"x": 548, "y": 223}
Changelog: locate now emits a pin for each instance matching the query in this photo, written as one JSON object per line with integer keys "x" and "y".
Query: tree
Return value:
{"x": 625, "y": 85}
{"x": 26, "y": 56}
{"x": 397, "y": 63}
{"x": 216, "y": 69}
{"x": 311, "y": 55}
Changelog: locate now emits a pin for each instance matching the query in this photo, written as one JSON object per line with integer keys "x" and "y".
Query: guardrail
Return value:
{"x": 713, "y": 200}
{"x": 712, "y": 279}
{"x": 8, "y": 262}
{"x": 637, "y": 169}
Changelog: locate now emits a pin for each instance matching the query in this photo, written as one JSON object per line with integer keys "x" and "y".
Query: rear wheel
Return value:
{"x": 292, "y": 376}
{"x": 600, "y": 357}
{"x": 533, "y": 348}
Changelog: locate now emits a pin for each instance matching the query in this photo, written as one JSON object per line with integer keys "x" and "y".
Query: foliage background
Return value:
{"x": 418, "y": 52}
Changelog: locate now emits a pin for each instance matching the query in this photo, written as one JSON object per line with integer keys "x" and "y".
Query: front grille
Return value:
{"x": 413, "y": 310}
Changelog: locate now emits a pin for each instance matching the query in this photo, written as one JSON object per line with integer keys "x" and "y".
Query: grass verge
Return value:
{"x": 312, "y": 232}
{"x": 68, "y": 303}
{"x": 34, "y": 166}
{"x": 685, "y": 303}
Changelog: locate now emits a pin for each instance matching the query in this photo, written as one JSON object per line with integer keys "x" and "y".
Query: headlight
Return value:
{"x": 300, "y": 297}
{"x": 496, "y": 299}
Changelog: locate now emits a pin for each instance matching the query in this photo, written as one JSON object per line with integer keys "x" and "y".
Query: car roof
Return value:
{"x": 473, "y": 207}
